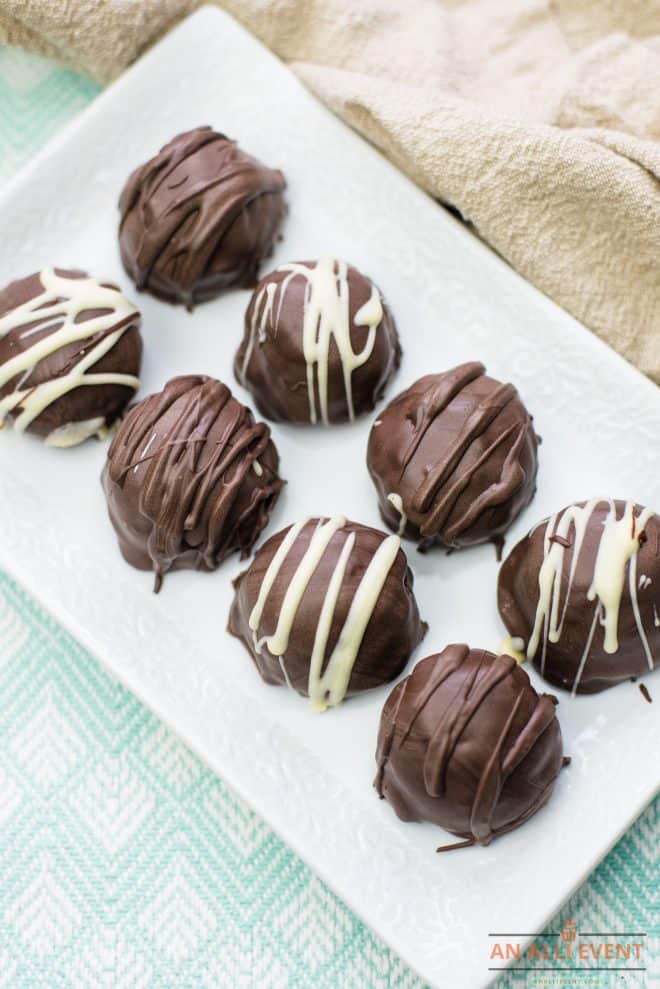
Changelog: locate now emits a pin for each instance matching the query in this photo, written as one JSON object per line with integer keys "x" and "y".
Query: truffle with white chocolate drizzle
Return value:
{"x": 453, "y": 459}
{"x": 571, "y": 591}
{"x": 70, "y": 354}
{"x": 327, "y": 607}
{"x": 320, "y": 343}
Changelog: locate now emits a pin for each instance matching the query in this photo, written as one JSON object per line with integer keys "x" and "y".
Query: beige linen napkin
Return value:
{"x": 539, "y": 120}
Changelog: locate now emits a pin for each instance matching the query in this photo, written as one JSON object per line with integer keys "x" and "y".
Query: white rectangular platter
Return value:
{"x": 310, "y": 775}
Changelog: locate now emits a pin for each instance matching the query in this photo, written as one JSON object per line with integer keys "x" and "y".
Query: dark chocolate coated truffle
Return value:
{"x": 580, "y": 594}
{"x": 190, "y": 478}
{"x": 466, "y": 742}
{"x": 327, "y": 607}
{"x": 199, "y": 217}
{"x": 453, "y": 459}
{"x": 70, "y": 355}
{"x": 320, "y": 343}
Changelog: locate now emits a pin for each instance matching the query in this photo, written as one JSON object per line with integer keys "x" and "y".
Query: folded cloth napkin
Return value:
{"x": 538, "y": 120}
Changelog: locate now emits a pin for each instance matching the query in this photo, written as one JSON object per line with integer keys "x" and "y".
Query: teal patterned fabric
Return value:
{"x": 124, "y": 862}
{"x": 36, "y": 99}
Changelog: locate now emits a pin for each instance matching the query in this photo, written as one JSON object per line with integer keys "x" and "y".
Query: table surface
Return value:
{"x": 125, "y": 862}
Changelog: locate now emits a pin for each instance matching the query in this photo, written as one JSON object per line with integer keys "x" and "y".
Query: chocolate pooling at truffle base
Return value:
{"x": 580, "y": 594}
{"x": 327, "y": 608}
{"x": 70, "y": 354}
{"x": 465, "y": 742}
{"x": 190, "y": 478}
{"x": 320, "y": 343}
{"x": 199, "y": 217}
{"x": 453, "y": 459}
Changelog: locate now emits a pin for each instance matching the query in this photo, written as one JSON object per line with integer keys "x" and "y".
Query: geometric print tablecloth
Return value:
{"x": 124, "y": 862}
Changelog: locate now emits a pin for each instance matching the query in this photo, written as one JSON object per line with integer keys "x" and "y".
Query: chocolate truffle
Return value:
{"x": 199, "y": 217}
{"x": 190, "y": 478}
{"x": 580, "y": 594}
{"x": 453, "y": 459}
{"x": 320, "y": 343}
{"x": 70, "y": 354}
{"x": 466, "y": 742}
{"x": 327, "y": 607}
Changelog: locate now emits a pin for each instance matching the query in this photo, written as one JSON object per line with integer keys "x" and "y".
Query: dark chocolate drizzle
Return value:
{"x": 436, "y": 504}
{"x": 182, "y": 233}
{"x": 470, "y": 676}
{"x": 191, "y": 485}
{"x": 428, "y": 498}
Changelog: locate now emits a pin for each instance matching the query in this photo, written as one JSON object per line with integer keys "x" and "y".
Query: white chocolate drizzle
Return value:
{"x": 143, "y": 455}
{"x": 73, "y": 433}
{"x": 617, "y": 549}
{"x": 261, "y": 314}
{"x": 396, "y": 502}
{"x": 632, "y": 590}
{"x": 57, "y": 308}
{"x": 326, "y": 318}
{"x": 512, "y": 646}
{"x": 269, "y": 579}
{"x": 329, "y": 687}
